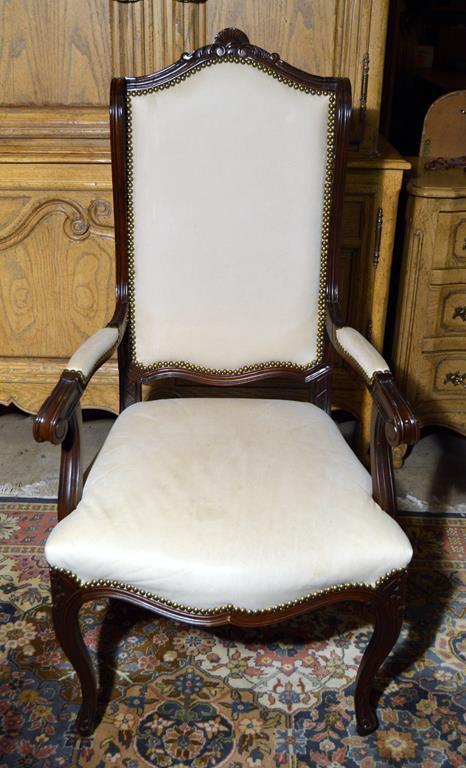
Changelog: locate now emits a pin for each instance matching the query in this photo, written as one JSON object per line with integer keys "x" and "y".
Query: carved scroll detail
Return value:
{"x": 98, "y": 212}
{"x": 231, "y": 41}
{"x": 79, "y": 222}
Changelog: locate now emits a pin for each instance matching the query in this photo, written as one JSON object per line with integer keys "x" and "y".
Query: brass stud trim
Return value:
{"x": 327, "y": 195}
{"x": 228, "y": 608}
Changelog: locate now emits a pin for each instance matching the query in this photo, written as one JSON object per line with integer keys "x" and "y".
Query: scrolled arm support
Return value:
{"x": 52, "y": 420}
{"x": 401, "y": 425}
{"x": 59, "y": 419}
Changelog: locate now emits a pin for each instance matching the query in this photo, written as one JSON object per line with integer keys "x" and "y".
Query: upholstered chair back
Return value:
{"x": 230, "y": 170}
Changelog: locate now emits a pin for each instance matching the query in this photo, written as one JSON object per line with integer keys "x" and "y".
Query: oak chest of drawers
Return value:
{"x": 430, "y": 342}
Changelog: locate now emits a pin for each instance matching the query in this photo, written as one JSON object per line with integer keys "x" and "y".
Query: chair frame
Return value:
{"x": 59, "y": 419}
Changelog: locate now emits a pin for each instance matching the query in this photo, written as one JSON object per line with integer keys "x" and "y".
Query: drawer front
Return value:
{"x": 450, "y": 240}
{"x": 449, "y": 376}
{"x": 446, "y": 310}
{"x": 459, "y": 242}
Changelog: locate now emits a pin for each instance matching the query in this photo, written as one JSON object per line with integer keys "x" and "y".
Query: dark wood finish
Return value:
{"x": 58, "y": 420}
{"x": 401, "y": 424}
{"x": 393, "y": 423}
{"x": 51, "y": 422}
{"x": 383, "y": 485}
{"x": 118, "y": 122}
{"x": 70, "y": 484}
{"x": 389, "y": 604}
{"x": 386, "y": 600}
{"x": 66, "y": 602}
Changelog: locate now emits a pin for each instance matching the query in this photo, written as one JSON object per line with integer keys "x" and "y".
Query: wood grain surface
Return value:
{"x": 54, "y": 52}
{"x": 56, "y": 61}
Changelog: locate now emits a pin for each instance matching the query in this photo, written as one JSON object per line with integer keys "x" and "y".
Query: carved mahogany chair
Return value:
{"x": 228, "y": 176}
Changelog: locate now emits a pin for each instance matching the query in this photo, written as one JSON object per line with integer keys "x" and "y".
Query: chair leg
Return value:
{"x": 389, "y": 606}
{"x": 66, "y": 602}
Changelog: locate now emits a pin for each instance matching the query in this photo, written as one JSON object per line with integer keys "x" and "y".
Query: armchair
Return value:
{"x": 228, "y": 173}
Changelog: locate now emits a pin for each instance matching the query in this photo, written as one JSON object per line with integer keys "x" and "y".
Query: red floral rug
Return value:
{"x": 181, "y": 696}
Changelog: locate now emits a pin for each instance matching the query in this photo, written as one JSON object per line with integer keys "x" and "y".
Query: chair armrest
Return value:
{"x": 93, "y": 352}
{"x": 52, "y": 420}
{"x": 359, "y": 353}
{"x": 401, "y": 425}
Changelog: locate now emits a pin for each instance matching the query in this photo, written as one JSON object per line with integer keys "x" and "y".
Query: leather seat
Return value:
{"x": 241, "y": 502}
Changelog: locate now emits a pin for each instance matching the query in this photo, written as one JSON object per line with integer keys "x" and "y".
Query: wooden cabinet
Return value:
{"x": 56, "y": 61}
{"x": 369, "y": 220}
{"x": 430, "y": 343}
{"x": 326, "y": 37}
{"x": 57, "y": 283}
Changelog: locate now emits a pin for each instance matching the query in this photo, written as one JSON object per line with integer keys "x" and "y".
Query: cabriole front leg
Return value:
{"x": 389, "y": 604}
{"x": 66, "y": 602}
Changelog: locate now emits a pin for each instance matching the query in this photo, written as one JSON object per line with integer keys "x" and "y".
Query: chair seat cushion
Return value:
{"x": 209, "y": 502}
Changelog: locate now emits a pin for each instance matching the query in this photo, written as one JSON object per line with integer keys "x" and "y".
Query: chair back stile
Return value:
{"x": 228, "y": 176}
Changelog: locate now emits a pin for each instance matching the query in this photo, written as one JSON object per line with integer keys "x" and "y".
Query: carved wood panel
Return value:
{"x": 56, "y": 276}
{"x": 56, "y": 272}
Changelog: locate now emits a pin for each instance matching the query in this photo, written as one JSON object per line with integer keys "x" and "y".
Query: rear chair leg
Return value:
{"x": 389, "y": 606}
{"x": 66, "y": 602}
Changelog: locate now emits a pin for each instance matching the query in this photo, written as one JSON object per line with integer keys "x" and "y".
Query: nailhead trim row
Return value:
{"x": 329, "y": 169}
{"x": 95, "y": 583}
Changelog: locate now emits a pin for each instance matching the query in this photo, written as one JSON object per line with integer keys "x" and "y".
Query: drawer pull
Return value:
{"x": 378, "y": 237}
{"x": 459, "y": 312}
{"x": 456, "y": 379}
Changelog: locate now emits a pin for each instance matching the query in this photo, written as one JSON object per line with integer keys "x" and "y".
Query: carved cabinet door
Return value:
{"x": 57, "y": 281}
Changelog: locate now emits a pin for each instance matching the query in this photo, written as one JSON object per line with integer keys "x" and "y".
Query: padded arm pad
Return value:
{"x": 96, "y": 347}
{"x": 357, "y": 350}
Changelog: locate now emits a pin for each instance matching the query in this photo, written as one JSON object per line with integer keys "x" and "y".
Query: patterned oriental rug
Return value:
{"x": 276, "y": 697}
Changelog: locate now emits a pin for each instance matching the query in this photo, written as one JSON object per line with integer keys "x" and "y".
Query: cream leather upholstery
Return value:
{"x": 228, "y": 171}
{"x": 361, "y": 351}
{"x": 89, "y": 353}
{"x": 207, "y": 502}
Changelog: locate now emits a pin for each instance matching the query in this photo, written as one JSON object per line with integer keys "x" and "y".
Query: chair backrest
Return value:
{"x": 231, "y": 190}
